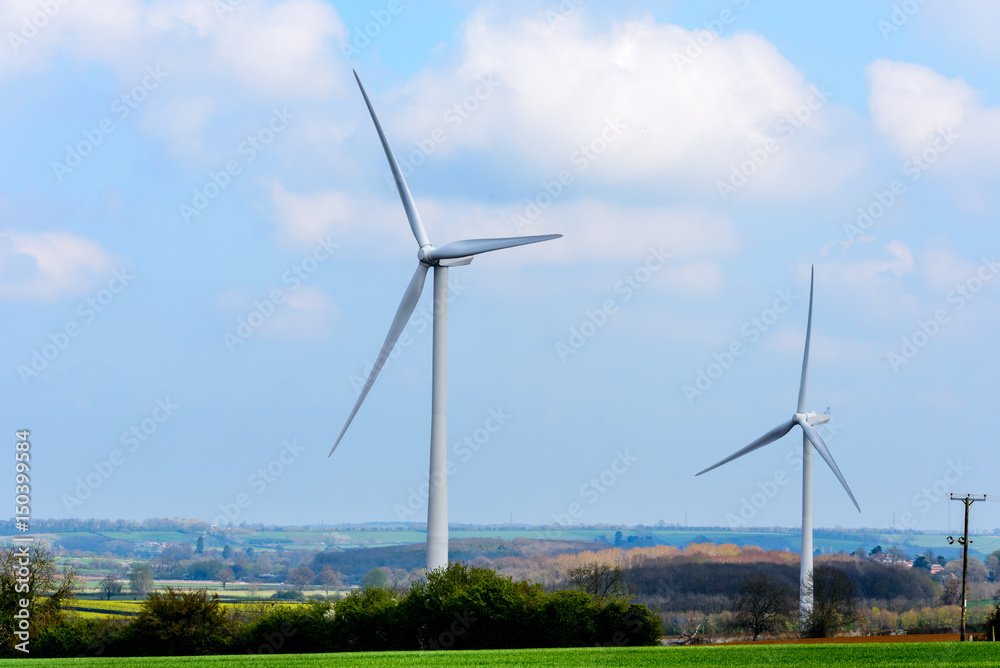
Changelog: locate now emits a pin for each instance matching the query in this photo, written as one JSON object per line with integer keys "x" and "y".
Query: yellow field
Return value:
{"x": 89, "y": 608}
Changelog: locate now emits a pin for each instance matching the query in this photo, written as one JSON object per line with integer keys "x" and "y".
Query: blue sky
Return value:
{"x": 174, "y": 169}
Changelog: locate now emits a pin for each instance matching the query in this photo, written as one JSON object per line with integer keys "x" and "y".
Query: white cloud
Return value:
{"x": 911, "y": 104}
{"x": 693, "y": 279}
{"x": 968, "y": 23}
{"x": 558, "y": 85}
{"x": 823, "y": 349}
{"x": 222, "y": 68}
{"x": 309, "y": 314}
{"x": 270, "y": 48}
{"x": 304, "y": 314}
{"x": 869, "y": 274}
{"x": 304, "y": 218}
{"x": 50, "y": 265}
{"x": 945, "y": 268}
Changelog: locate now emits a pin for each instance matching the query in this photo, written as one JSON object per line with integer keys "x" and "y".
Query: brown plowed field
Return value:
{"x": 930, "y": 637}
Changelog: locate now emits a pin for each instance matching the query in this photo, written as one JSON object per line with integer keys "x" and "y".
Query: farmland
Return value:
{"x": 366, "y": 536}
{"x": 93, "y": 608}
{"x": 926, "y": 655}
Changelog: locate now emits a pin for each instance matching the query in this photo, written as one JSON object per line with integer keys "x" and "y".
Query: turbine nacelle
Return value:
{"x": 812, "y": 418}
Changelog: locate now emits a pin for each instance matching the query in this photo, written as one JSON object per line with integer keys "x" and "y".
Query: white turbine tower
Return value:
{"x": 810, "y": 439}
{"x": 453, "y": 254}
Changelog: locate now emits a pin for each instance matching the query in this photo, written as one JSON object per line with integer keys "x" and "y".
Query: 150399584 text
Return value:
{"x": 22, "y": 520}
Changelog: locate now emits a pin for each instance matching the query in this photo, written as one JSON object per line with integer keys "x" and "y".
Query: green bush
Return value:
{"x": 465, "y": 607}
{"x": 173, "y": 623}
{"x": 992, "y": 623}
{"x": 565, "y": 619}
{"x": 367, "y": 620}
{"x": 300, "y": 629}
{"x": 75, "y": 637}
{"x": 288, "y": 595}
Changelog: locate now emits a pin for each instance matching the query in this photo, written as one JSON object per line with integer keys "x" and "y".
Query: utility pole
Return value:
{"x": 968, "y": 500}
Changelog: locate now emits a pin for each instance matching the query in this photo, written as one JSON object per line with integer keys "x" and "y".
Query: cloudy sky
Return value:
{"x": 202, "y": 250}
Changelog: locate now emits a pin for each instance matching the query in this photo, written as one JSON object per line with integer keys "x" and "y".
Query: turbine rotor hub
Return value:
{"x": 423, "y": 253}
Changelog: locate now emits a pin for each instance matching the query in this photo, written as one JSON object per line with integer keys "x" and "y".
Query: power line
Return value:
{"x": 964, "y": 541}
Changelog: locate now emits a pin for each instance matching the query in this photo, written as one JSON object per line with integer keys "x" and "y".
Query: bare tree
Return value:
{"x": 834, "y": 605}
{"x": 330, "y": 578}
{"x": 47, "y": 589}
{"x": 762, "y": 605}
{"x": 599, "y": 580}
{"x": 225, "y": 575}
{"x": 952, "y": 594}
{"x": 110, "y": 586}
{"x": 689, "y": 629}
{"x": 301, "y": 576}
{"x": 895, "y": 555}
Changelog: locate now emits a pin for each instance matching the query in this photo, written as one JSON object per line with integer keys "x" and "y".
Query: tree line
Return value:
{"x": 460, "y": 607}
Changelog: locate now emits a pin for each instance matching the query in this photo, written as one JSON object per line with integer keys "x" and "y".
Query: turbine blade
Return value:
{"x": 403, "y": 313}
{"x": 404, "y": 191}
{"x": 824, "y": 452}
{"x": 805, "y": 355}
{"x": 476, "y": 246}
{"x": 769, "y": 437}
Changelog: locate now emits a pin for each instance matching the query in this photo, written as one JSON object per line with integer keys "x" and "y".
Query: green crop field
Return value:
{"x": 924, "y": 655}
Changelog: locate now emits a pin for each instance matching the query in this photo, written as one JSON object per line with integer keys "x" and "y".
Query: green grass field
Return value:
{"x": 924, "y": 655}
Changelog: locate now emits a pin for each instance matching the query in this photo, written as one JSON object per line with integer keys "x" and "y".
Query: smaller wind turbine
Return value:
{"x": 810, "y": 437}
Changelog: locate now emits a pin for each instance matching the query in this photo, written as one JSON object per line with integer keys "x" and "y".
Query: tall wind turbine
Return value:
{"x": 810, "y": 439}
{"x": 456, "y": 253}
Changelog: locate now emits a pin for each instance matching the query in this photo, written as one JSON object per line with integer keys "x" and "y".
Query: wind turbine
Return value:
{"x": 454, "y": 254}
{"x": 810, "y": 439}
